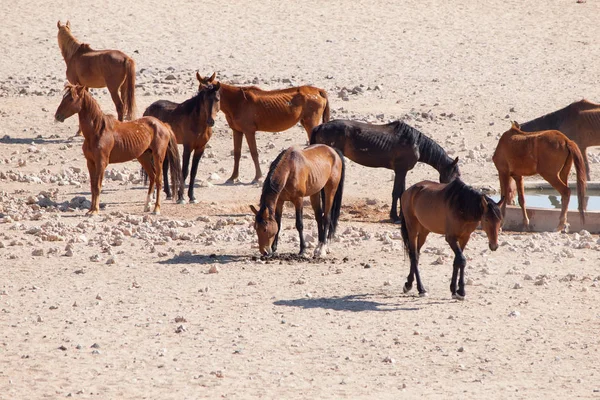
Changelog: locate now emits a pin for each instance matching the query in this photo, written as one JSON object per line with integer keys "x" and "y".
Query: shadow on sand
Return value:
{"x": 357, "y": 302}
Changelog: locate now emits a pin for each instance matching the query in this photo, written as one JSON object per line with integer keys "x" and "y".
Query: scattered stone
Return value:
{"x": 213, "y": 270}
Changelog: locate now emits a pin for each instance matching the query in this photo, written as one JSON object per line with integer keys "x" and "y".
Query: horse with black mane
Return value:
{"x": 397, "y": 146}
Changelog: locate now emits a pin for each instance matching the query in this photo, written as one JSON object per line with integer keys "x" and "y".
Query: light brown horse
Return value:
{"x": 548, "y": 153}
{"x": 453, "y": 210}
{"x": 249, "y": 109}
{"x": 316, "y": 171}
{"x": 192, "y": 122}
{"x": 579, "y": 121}
{"x": 108, "y": 141}
{"x": 112, "y": 69}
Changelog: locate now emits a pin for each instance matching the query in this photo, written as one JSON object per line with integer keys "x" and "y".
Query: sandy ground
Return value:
{"x": 123, "y": 305}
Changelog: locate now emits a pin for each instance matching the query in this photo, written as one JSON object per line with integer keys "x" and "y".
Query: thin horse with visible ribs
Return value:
{"x": 249, "y": 109}
{"x": 192, "y": 122}
{"x": 396, "y": 146}
{"x": 109, "y": 141}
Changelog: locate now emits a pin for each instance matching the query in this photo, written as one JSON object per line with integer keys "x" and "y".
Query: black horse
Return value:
{"x": 192, "y": 123}
{"x": 396, "y": 146}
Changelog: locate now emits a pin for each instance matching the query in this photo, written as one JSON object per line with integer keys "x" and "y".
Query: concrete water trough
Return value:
{"x": 543, "y": 209}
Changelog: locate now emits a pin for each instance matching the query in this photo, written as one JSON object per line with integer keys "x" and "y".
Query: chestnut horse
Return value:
{"x": 316, "y": 171}
{"x": 192, "y": 123}
{"x": 249, "y": 109}
{"x": 112, "y": 69}
{"x": 548, "y": 153}
{"x": 396, "y": 146}
{"x": 579, "y": 121}
{"x": 109, "y": 141}
{"x": 453, "y": 210}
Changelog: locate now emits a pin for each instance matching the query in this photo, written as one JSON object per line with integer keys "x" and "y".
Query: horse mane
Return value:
{"x": 68, "y": 44}
{"x": 548, "y": 121}
{"x": 465, "y": 200}
{"x": 97, "y": 117}
{"x": 270, "y": 186}
{"x": 194, "y": 103}
{"x": 432, "y": 153}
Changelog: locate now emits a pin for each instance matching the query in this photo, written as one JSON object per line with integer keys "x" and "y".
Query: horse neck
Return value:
{"x": 68, "y": 45}
{"x": 433, "y": 154}
{"x": 230, "y": 95}
{"x": 546, "y": 122}
{"x": 91, "y": 117}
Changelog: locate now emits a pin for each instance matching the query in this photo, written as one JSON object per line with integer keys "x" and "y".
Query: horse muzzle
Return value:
{"x": 210, "y": 122}
{"x": 493, "y": 246}
{"x": 59, "y": 117}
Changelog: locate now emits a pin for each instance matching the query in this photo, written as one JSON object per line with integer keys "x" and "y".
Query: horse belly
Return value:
{"x": 368, "y": 158}
{"x": 431, "y": 217}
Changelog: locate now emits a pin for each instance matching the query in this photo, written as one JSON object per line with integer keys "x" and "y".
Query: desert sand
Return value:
{"x": 129, "y": 305}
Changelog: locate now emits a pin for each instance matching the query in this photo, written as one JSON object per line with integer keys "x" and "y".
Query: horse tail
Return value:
{"x": 326, "y": 111}
{"x": 581, "y": 176}
{"x": 128, "y": 90}
{"x": 337, "y": 199}
{"x": 173, "y": 159}
{"x": 404, "y": 231}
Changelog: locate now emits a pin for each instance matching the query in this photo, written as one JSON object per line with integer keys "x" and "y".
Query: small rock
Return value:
{"x": 213, "y": 270}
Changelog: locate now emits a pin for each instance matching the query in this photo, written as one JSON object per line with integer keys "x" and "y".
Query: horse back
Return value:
{"x": 311, "y": 169}
{"x": 94, "y": 68}
{"x": 423, "y": 205}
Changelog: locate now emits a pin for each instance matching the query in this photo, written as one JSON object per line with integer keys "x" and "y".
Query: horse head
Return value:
{"x": 204, "y": 83}
{"x": 66, "y": 26}
{"x": 450, "y": 173}
{"x": 491, "y": 221}
{"x": 266, "y": 229}
{"x": 213, "y": 99}
{"x": 71, "y": 103}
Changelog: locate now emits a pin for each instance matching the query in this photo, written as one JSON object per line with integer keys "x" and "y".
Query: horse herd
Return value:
{"x": 450, "y": 208}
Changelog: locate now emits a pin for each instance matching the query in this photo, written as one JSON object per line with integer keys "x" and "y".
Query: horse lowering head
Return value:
{"x": 450, "y": 173}
{"x": 205, "y": 82}
{"x": 212, "y": 103}
{"x": 491, "y": 221}
{"x": 266, "y": 229}
{"x": 71, "y": 103}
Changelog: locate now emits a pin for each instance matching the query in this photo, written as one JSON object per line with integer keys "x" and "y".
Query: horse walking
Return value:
{"x": 396, "y": 146}
{"x": 192, "y": 123}
{"x": 316, "y": 171}
{"x": 548, "y": 153}
{"x": 109, "y": 141}
{"x": 579, "y": 121}
{"x": 453, "y": 210}
{"x": 112, "y": 69}
{"x": 249, "y": 109}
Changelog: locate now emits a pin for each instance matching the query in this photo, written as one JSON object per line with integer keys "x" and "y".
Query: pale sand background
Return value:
{"x": 332, "y": 329}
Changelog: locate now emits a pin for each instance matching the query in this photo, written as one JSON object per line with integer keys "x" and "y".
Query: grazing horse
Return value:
{"x": 112, "y": 69}
{"x": 192, "y": 123}
{"x": 453, "y": 210}
{"x": 316, "y": 171}
{"x": 109, "y": 141}
{"x": 396, "y": 146}
{"x": 249, "y": 109}
{"x": 579, "y": 121}
{"x": 548, "y": 153}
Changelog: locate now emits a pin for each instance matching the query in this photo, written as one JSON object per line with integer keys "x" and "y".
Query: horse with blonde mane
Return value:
{"x": 109, "y": 141}
{"x": 250, "y": 109}
{"x": 112, "y": 69}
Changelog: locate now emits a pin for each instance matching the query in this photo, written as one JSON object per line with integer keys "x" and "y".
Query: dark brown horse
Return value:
{"x": 579, "y": 121}
{"x": 548, "y": 153}
{"x": 249, "y": 109}
{"x": 192, "y": 122}
{"x": 112, "y": 69}
{"x": 316, "y": 171}
{"x": 396, "y": 146}
{"x": 108, "y": 141}
{"x": 453, "y": 210}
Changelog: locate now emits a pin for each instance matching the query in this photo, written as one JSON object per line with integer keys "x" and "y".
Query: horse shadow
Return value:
{"x": 353, "y": 303}
{"x": 36, "y": 140}
{"x": 204, "y": 259}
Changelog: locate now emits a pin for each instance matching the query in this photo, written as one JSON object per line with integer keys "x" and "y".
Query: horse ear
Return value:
{"x": 58, "y": 24}
{"x": 254, "y": 210}
{"x": 68, "y": 25}
{"x": 198, "y": 77}
{"x": 515, "y": 125}
{"x": 455, "y": 161}
{"x": 501, "y": 202}
{"x": 212, "y": 77}
{"x": 217, "y": 86}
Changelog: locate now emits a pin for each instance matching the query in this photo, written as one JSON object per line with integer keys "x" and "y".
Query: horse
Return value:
{"x": 579, "y": 121}
{"x": 112, "y": 69}
{"x": 454, "y": 210}
{"x": 250, "y": 109}
{"x": 109, "y": 141}
{"x": 316, "y": 171}
{"x": 397, "y": 146}
{"x": 548, "y": 153}
{"x": 192, "y": 123}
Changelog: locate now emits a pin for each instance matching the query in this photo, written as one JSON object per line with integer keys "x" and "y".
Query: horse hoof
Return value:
{"x": 457, "y": 296}
{"x": 169, "y": 198}
{"x": 181, "y": 201}
{"x": 194, "y": 201}
{"x": 423, "y": 294}
{"x": 156, "y": 212}
{"x": 232, "y": 181}
{"x": 406, "y": 289}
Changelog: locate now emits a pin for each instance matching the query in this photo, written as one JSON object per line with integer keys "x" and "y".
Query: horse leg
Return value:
{"x": 146, "y": 162}
{"x": 585, "y": 161}
{"x": 300, "y": 224}
{"x": 399, "y": 182}
{"x": 565, "y": 195}
{"x": 251, "y": 140}
{"x": 158, "y": 163}
{"x": 165, "y": 170}
{"x": 420, "y": 241}
{"x": 93, "y": 186}
{"x": 505, "y": 181}
{"x": 308, "y": 124}
{"x": 195, "y": 160}
{"x": 187, "y": 151}
{"x": 237, "y": 154}
{"x": 114, "y": 94}
{"x": 278, "y": 213}
{"x": 521, "y": 197}
{"x": 99, "y": 167}
{"x": 321, "y": 249}
{"x": 315, "y": 202}
{"x": 458, "y": 266}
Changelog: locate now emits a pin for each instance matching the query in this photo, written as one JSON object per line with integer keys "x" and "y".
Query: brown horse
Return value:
{"x": 396, "y": 146}
{"x": 453, "y": 210}
{"x": 316, "y": 171}
{"x": 250, "y": 109}
{"x": 192, "y": 122}
{"x": 108, "y": 141}
{"x": 579, "y": 121}
{"x": 548, "y": 153}
{"x": 112, "y": 69}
